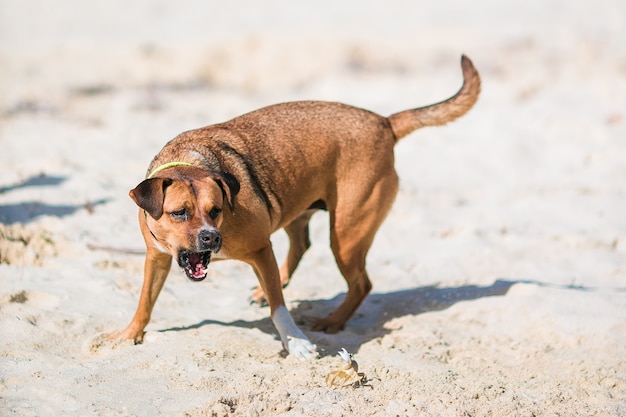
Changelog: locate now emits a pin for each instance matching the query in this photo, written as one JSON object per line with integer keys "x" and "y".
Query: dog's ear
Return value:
{"x": 229, "y": 185}
{"x": 150, "y": 194}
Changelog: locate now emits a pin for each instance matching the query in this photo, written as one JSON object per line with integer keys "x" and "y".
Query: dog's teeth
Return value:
{"x": 199, "y": 271}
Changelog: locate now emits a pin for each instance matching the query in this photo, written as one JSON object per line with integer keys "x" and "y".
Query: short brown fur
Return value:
{"x": 276, "y": 166}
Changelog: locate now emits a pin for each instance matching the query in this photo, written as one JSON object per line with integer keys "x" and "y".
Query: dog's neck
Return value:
{"x": 188, "y": 157}
{"x": 167, "y": 165}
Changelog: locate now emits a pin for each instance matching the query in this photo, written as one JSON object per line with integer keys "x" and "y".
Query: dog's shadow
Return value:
{"x": 369, "y": 321}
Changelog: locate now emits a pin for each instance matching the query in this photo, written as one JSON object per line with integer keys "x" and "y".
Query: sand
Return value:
{"x": 499, "y": 275}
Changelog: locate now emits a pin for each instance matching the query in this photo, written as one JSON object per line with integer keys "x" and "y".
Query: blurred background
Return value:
{"x": 278, "y": 46}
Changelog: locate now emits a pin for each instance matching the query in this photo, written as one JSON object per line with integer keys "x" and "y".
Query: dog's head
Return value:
{"x": 184, "y": 212}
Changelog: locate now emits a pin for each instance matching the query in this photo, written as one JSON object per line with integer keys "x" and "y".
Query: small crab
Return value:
{"x": 348, "y": 373}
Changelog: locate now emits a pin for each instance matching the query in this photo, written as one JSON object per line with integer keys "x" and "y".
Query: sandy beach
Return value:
{"x": 499, "y": 275}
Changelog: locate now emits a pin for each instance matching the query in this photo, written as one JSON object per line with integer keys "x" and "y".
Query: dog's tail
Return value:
{"x": 443, "y": 112}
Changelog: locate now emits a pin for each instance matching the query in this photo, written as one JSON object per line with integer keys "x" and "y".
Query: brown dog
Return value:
{"x": 222, "y": 190}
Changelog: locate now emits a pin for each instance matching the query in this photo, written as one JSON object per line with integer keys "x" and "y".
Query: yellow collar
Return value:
{"x": 168, "y": 165}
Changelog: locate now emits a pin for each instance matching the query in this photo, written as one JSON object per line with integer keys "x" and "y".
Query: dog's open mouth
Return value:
{"x": 195, "y": 264}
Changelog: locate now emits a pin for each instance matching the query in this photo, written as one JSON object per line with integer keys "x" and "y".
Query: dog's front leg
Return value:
{"x": 156, "y": 269}
{"x": 294, "y": 340}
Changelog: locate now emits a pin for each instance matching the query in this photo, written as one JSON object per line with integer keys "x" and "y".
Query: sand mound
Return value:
{"x": 25, "y": 245}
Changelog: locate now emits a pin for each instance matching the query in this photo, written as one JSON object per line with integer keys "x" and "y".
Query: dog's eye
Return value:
{"x": 179, "y": 214}
{"x": 215, "y": 212}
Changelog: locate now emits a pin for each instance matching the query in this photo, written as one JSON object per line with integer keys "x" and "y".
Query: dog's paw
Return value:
{"x": 302, "y": 349}
{"x": 128, "y": 334}
{"x": 258, "y": 297}
{"x": 292, "y": 337}
{"x": 327, "y": 326}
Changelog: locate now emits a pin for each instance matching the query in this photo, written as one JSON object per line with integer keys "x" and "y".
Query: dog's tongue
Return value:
{"x": 195, "y": 265}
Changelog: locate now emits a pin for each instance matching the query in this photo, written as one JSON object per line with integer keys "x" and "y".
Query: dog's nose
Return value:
{"x": 210, "y": 240}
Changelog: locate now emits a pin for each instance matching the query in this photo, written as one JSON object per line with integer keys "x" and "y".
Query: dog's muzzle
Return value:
{"x": 195, "y": 264}
{"x": 210, "y": 240}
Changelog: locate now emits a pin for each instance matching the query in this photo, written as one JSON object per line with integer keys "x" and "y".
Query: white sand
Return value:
{"x": 499, "y": 276}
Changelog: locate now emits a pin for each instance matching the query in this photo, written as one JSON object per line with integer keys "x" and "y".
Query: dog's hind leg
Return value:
{"x": 354, "y": 223}
{"x": 299, "y": 242}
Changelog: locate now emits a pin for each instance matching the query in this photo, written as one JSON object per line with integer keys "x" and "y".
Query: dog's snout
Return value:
{"x": 210, "y": 240}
